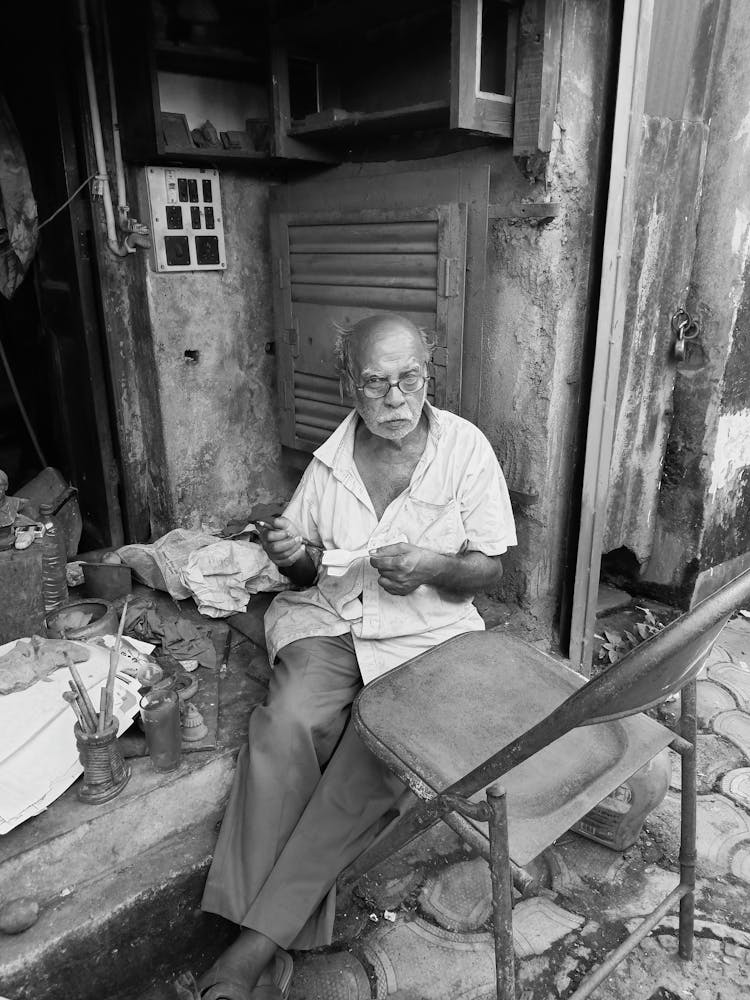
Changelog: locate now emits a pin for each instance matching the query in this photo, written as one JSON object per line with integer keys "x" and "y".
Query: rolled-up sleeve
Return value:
{"x": 484, "y": 502}
{"x": 302, "y": 509}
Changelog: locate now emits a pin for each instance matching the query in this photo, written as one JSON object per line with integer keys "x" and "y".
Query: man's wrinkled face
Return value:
{"x": 392, "y": 352}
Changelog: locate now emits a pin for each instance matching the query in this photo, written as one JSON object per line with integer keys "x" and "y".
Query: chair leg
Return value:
{"x": 688, "y": 853}
{"x": 502, "y": 895}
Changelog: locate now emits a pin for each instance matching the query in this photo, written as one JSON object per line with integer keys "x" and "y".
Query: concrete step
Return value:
{"x": 72, "y": 843}
{"x": 114, "y": 934}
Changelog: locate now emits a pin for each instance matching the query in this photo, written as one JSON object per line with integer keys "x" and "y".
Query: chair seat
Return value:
{"x": 434, "y": 718}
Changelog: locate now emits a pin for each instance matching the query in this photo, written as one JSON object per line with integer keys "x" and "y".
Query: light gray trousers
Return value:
{"x": 307, "y": 799}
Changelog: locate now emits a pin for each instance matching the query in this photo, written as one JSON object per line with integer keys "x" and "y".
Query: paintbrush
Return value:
{"x": 71, "y": 699}
{"x": 108, "y": 692}
{"x": 305, "y": 541}
{"x": 86, "y": 705}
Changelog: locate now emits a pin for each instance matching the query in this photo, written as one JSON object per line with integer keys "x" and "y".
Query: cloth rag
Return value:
{"x": 178, "y": 636}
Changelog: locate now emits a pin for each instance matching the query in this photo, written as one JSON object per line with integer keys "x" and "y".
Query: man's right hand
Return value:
{"x": 280, "y": 541}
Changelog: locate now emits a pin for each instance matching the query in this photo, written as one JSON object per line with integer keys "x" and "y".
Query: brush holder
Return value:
{"x": 105, "y": 773}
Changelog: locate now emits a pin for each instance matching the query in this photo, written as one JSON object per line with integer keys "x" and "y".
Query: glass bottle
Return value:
{"x": 54, "y": 561}
{"x": 160, "y": 713}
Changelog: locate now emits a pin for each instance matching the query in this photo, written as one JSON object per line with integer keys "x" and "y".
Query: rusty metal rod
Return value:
{"x": 688, "y": 829}
{"x": 598, "y": 976}
{"x": 502, "y": 894}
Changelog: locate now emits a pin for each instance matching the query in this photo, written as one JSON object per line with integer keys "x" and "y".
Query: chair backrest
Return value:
{"x": 664, "y": 663}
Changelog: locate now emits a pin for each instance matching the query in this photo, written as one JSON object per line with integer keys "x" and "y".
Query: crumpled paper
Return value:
{"x": 221, "y": 577}
{"x": 159, "y": 564}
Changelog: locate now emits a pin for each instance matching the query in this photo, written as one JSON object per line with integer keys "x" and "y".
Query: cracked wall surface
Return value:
{"x": 219, "y": 412}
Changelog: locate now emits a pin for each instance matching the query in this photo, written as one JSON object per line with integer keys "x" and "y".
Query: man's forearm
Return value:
{"x": 466, "y": 573}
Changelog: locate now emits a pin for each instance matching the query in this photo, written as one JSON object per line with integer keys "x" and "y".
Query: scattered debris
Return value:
{"x": 616, "y": 644}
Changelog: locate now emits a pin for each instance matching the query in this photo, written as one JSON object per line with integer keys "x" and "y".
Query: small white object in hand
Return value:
{"x": 338, "y": 561}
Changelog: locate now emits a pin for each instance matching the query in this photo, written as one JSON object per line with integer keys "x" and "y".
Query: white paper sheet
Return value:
{"x": 38, "y": 754}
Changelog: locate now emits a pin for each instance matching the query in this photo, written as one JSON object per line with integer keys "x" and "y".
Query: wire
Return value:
{"x": 21, "y": 407}
{"x": 66, "y": 203}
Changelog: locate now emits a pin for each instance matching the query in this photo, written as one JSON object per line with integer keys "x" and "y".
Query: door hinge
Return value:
{"x": 448, "y": 277}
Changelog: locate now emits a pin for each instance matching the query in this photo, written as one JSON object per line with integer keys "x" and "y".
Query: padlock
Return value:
{"x": 686, "y": 328}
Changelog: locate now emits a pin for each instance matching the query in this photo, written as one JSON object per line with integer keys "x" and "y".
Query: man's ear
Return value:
{"x": 346, "y": 387}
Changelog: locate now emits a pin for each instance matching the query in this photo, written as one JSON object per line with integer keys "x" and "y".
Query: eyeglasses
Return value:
{"x": 376, "y": 388}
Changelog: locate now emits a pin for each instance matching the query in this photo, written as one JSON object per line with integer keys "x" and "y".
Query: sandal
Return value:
{"x": 282, "y": 972}
{"x": 215, "y": 985}
{"x": 222, "y": 988}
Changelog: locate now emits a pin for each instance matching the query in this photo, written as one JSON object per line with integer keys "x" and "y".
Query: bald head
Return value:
{"x": 356, "y": 343}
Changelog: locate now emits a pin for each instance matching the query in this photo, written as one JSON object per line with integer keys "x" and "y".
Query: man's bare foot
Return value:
{"x": 247, "y": 961}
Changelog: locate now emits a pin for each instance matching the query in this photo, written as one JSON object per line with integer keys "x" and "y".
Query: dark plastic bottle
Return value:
{"x": 54, "y": 560}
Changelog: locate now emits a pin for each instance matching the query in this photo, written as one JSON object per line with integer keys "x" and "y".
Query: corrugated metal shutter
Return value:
{"x": 334, "y": 268}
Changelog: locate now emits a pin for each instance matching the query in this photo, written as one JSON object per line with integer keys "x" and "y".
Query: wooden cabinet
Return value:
{"x": 346, "y": 73}
{"x": 175, "y": 71}
{"x": 325, "y": 80}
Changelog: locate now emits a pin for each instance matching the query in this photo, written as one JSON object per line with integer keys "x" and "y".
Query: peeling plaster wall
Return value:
{"x": 536, "y": 313}
{"x": 704, "y": 507}
{"x": 219, "y": 415}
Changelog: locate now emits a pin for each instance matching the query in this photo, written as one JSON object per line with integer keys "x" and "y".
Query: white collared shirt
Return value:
{"x": 456, "y": 501}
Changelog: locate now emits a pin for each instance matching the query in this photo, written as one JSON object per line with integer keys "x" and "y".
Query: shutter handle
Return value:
{"x": 292, "y": 337}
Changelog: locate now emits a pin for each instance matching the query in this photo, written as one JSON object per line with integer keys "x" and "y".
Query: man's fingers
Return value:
{"x": 276, "y": 537}
{"x": 384, "y": 562}
{"x": 390, "y": 550}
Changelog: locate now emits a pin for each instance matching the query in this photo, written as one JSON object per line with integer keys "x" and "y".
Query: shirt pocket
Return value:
{"x": 435, "y": 526}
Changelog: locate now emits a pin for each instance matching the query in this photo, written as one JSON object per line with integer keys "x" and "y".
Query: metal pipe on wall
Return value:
{"x": 123, "y": 209}
{"x": 96, "y": 127}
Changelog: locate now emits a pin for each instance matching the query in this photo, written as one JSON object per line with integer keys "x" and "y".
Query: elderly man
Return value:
{"x": 417, "y": 496}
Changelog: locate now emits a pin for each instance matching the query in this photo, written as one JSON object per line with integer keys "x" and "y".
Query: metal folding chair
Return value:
{"x": 487, "y": 706}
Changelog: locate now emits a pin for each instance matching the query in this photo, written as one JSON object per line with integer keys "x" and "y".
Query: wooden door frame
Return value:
{"x": 618, "y": 235}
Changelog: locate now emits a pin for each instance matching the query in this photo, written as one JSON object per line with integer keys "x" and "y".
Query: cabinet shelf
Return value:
{"x": 341, "y": 125}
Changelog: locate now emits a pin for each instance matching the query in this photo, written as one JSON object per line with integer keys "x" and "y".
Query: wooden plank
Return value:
{"x": 282, "y": 321}
{"x": 538, "y": 210}
{"x": 449, "y": 325}
{"x": 626, "y": 144}
{"x": 537, "y": 76}
{"x": 472, "y": 110}
{"x": 285, "y": 145}
{"x": 430, "y": 114}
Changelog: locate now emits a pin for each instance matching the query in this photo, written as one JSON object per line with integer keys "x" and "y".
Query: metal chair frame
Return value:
{"x": 658, "y": 668}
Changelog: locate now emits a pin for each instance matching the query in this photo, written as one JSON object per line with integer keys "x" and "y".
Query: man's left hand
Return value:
{"x": 404, "y": 567}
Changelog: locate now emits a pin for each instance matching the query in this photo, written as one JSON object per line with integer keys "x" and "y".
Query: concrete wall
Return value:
{"x": 536, "y": 314}
{"x": 219, "y": 414}
{"x": 703, "y": 524}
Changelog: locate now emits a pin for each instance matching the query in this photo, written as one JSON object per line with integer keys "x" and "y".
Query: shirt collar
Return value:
{"x": 337, "y": 452}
